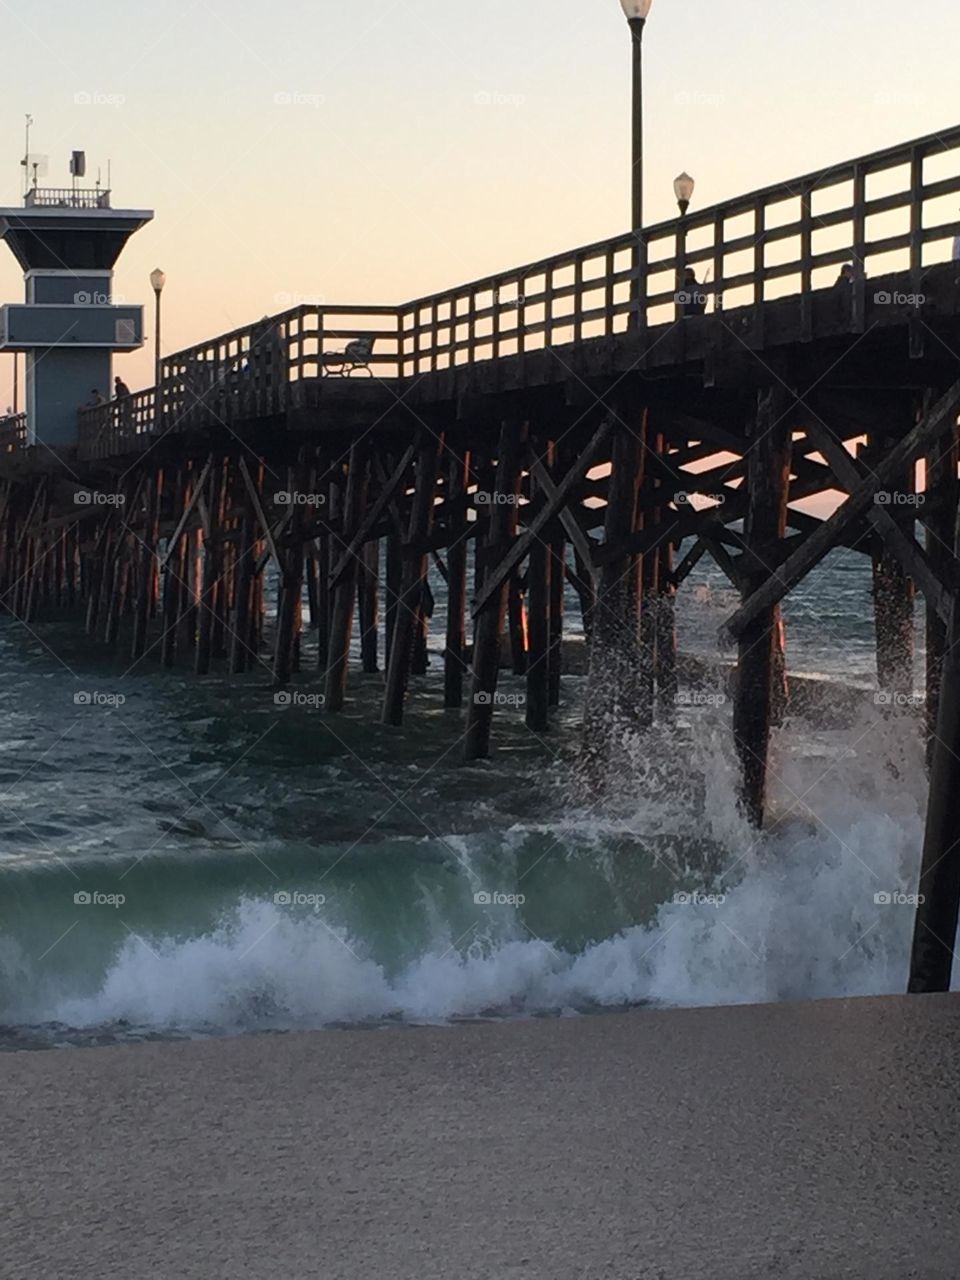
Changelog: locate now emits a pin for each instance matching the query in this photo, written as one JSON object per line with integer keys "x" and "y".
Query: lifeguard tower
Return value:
{"x": 67, "y": 241}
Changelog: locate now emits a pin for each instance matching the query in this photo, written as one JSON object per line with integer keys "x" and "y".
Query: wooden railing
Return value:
{"x": 890, "y": 212}
{"x": 122, "y": 426}
{"x": 249, "y": 373}
{"x": 887, "y": 212}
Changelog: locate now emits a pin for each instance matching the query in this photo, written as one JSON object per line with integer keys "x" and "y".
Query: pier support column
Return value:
{"x": 420, "y": 661}
{"x": 935, "y": 930}
{"x": 768, "y": 487}
{"x": 368, "y": 605}
{"x": 458, "y": 473}
{"x": 289, "y": 603}
{"x": 489, "y": 627}
{"x": 8, "y": 537}
{"x": 649, "y": 608}
{"x": 415, "y": 561}
{"x": 345, "y": 590}
{"x": 666, "y": 669}
{"x": 221, "y": 593}
{"x": 893, "y": 591}
{"x": 613, "y": 623}
{"x": 96, "y": 571}
{"x": 394, "y": 588}
{"x": 188, "y": 570}
{"x": 940, "y": 508}
{"x": 210, "y": 571}
{"x": 172, "y": 573}
{"x": 327, "y": 557}
{"x": 243, "y": 582}
{"x": 146, "y": 563}
{"x": 516, "y": 621}
{"x": 35, "y": 560}
{"x": 539, "y": 573}
{"x": 558, "y": 581}
{"x": 119, "y": 572}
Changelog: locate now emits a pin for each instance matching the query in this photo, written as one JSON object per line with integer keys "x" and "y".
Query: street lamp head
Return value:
{"x": 636, "y": 9}
{"x": 157, "y": 280}
{"x": 683, "y": 188}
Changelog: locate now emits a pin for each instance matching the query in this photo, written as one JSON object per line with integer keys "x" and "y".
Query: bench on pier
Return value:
{"x": 342, "y": 364}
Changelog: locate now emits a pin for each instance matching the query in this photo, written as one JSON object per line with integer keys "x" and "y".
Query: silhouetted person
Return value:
{"x": 846, "y": 277}
{"x": 694, "y": 302}
{"x": 120, "y": 388}
{"x": 97, "y": 399}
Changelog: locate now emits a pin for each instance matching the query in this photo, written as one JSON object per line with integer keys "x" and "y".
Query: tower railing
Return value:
{"x": 67, "y": 198}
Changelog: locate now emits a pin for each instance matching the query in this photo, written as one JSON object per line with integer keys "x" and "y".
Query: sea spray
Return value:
{"x": 645, "y": 898}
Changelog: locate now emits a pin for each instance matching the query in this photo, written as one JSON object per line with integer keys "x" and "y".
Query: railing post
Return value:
{"x": 680, "y": 278}
{"x": 548, "y": 307}
{"x": 858, "y": 318}
{"x": 609, "y": 293}
{"x": 433, "y": 337}
{"x": 718, "y": 265}
{"x": 521, "y": 316}
{"x": 916, "y": 250}
{"x": 639, "y": 291}
{"x": 471, "y": 326}
{"x": 760, "y": 235}
{"x": 578, "y": 299}
{"x": 715, "y": 347}
{"x": 806, "y": 266}
{"x": 495, "y": 322}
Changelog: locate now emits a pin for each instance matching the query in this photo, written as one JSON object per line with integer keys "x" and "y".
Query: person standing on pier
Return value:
{"x": 694, "y": 302}
{"x": 120, "y": 388}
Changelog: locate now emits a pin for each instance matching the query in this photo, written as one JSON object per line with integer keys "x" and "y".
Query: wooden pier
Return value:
{"x": 544, "y": 426}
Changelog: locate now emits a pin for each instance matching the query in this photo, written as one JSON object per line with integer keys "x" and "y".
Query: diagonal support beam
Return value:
{"x": 372, "y": 518}
{"x": 273, "y": 533}
{"x": 941, "y": 418}
{"x": 689, "y": 562}
{"x": 584, "y": 546}
{"x": 722, "y": 559}
{"x": 548, "y": 511}
{"x": 258, "y": 511}
{"x": 907, "y": 550}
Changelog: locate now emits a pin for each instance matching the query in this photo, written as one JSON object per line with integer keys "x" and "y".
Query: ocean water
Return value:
{"x": 181, "y": 857}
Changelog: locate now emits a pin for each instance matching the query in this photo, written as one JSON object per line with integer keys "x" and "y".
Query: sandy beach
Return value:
{"x": 791, "y": 1141}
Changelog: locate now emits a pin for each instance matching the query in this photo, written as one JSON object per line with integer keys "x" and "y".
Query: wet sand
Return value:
{"x": 801, "y": 1141}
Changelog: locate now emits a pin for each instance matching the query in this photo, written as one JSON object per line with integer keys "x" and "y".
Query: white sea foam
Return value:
{"x": 799, "y": 918}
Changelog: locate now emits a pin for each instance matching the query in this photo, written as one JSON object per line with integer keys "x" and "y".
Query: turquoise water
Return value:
{"x": 179, "y": 856}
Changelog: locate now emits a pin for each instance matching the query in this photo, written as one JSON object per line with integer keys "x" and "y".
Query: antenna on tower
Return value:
{"x": 25, "y": 162}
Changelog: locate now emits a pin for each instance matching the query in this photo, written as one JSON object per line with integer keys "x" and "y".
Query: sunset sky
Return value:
{"x": 372, "y": 152}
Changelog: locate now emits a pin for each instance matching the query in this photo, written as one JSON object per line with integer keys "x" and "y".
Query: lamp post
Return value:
{"x": 683, "y": 188}
{"x": 636, "y": 13}
{"x": 157, "y": 281}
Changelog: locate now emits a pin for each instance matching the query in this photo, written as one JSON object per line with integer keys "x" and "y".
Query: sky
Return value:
{"x": 371, "y": 152}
